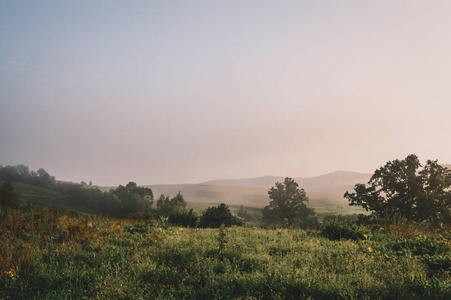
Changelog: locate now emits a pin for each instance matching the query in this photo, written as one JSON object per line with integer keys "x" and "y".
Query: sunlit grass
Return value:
{"x": 49, "y": 255}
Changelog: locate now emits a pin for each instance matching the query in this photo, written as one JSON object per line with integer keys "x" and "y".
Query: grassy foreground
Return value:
{"x": 49, "y": 255}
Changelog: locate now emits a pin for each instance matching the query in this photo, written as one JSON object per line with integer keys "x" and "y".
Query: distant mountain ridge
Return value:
{"x": 335, "y": 182}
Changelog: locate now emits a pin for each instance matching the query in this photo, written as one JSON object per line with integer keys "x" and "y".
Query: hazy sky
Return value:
{"x": 188, "y": 91}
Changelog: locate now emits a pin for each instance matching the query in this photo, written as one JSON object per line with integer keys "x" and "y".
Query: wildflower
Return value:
{"x": 361, "y": 241}
{"x": 447, "y": 243}
{"x": 366, "y": 236}
{"x": 12, "y": 274}
{"x": 159, "y": 237}
{"x": 370, "y": 249}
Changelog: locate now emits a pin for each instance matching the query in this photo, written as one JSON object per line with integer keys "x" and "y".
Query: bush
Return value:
{"x": 214, "y": 217}
{"x": 340, "y": 230}
{"x": 185, "y": 218}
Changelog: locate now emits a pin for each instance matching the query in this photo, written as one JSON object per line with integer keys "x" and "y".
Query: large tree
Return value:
{"x": 401, "y": 187}
{"x": 287, "y": 204}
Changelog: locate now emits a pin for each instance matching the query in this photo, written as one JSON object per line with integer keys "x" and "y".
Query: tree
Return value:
{"x": 287, "y": 204}
{"x": 214, "y": 217}
{"x": 8, "y": 196}
{"x": 163, "y": 206}
{"x": 134, "y": 199}
{"x": 167, "y": 207}
{"x": 178, "y": 202}
{"x": 400, "y": 187}
{"x": 184, "y": 218}
{"x": 45, "y": 179}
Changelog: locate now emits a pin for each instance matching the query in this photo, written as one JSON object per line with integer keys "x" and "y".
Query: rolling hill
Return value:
{"x": 43, "y": 197}
{"x": 337, "y": 182}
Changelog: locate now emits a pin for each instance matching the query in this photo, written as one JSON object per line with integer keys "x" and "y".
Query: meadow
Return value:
{"x": 47, "y": 254}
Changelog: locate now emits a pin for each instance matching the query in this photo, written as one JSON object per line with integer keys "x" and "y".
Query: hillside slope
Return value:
{"x": 42, "y": 197}
{"x": 337, "y": 182}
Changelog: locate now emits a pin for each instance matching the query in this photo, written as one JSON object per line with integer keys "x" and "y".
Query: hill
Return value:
{"x": 337, "y": 182}
{"x": 43, "y": 197}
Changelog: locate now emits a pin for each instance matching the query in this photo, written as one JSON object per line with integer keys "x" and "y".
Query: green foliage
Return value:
{"x": 186, "y": 218}
{"x": 401, "y": 188}
{"x": 178, "y": 202}
{"x": 168, "y": 207}
{"x": 8, "y": 195}
{"x": 214, "y": 217}
{"x": 48, "y": 255}
{"x": 287, "y": 205}
{"x": 434, "y": 251}
{"x": 340, "y": 230}
{"x": 21, "y": 173}
{"x": 222, "y": 238}
{"x": 122, "y": 201}
{"x": 133, "y": 199}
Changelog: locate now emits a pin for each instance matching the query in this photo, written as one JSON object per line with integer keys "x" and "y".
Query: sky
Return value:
{"x": 188, "y": 91}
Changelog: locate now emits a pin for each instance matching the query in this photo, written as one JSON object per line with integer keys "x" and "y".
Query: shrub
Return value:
{"x": 434, "y": 251}
{"x": 215, "y": 216}
{"x": 185, "y": 218}
{"x": 340, "y": 230}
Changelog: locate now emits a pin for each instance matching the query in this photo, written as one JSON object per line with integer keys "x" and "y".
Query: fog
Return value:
{"x": 190, "y": 91}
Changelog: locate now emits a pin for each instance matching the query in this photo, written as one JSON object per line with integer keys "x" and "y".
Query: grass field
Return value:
{"x": 256, "y": 209}
{"x": 50, "y": 255}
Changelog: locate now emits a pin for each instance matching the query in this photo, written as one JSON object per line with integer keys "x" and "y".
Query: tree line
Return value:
{"x": 128, "y": 200}
{"x": 399, "y": 188}
{"x": 121, "y": 201}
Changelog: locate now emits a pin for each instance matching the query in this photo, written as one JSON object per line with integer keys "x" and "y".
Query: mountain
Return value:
{"x": 337, "y": 182}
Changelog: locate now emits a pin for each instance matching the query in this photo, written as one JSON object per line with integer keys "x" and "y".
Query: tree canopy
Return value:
{"x": 167, "y": 207}
{"x": 402, "y": 187}
{"x": 214, "y": 217}
{"x": 133, "y": 199}
{"x": 287, "y": 204}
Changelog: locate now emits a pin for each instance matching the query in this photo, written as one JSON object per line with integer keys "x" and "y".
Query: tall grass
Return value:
{"x": 49, "y": 255}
